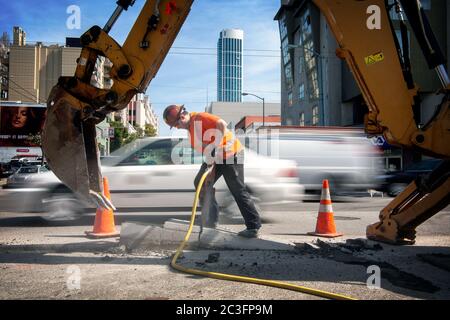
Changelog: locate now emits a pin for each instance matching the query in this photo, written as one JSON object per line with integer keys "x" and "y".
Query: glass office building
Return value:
{"x": 229, "y": 65}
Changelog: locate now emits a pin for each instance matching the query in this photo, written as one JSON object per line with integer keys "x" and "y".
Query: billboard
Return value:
{"x": 18, "y": 122}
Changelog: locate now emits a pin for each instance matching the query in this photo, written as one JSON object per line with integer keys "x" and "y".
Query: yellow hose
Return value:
{"x": 223, "y": 276}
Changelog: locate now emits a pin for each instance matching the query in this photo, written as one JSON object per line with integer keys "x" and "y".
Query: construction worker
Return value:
{"x": 209, "y": 135}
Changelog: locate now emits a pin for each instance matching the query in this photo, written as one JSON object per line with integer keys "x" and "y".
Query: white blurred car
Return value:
{"x": 157, "y": 174}
{"x": 24, "y": 176}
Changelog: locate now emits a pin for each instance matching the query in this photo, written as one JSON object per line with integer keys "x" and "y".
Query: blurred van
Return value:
{"x": 344, "y": 156}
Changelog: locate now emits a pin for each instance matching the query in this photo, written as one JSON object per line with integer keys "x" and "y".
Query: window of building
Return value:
{"x": 315, "y": 115}
{"x": 310, "y": 58}
{"x": 302, "y": 119}
{"x": 393, "y": 13}
{"x": 313, "y": 85}
{"x": 301, "y": 64}
{"x": 287, "y": 63}
{"x": 306, "y": 22}
{"x": 301, "y": 59}
{"x": 301, "y": 92}
{"x": 285, "y": 53}
{"x": 310, "y": 61}
{"x": 426, "y": 5}
{"x": 290, "y": 102}
{"x": 288, "y": 75}
{"x": 398, "y": 33}
{"x": 283, "y": 28}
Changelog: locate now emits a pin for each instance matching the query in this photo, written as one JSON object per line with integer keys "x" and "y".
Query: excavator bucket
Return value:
{"x": 70, "y": 147}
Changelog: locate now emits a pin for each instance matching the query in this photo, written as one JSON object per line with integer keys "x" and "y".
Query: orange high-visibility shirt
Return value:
{"x": 203, "y": 132}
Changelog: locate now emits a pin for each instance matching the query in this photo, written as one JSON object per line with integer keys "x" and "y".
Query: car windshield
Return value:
{"x": 166, "y": 151}
{"x": 156, "y": 153}
{"x": 118, "y": 155}
{"x": 28, "y": 170}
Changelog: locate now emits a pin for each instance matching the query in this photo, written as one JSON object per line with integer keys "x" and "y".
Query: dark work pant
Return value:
{"x": 234, "y": 178}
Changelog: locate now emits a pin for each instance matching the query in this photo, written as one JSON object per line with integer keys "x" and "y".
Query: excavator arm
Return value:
{"x": 383, "y": 74}
{"x": 74, "y": 106}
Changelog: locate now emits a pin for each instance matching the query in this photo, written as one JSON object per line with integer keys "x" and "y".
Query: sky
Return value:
{"x": 188, "y": 75}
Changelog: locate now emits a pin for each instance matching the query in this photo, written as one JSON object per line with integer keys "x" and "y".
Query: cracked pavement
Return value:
{"x": 41, "y": 261}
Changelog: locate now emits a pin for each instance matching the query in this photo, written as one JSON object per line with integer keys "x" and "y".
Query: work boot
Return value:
{"x": 249, "y": 233}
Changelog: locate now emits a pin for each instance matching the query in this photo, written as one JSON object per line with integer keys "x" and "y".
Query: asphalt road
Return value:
{"x": 40, "y": 260}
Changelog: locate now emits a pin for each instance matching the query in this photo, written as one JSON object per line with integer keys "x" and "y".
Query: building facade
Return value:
{"x": 19, "y": 36}
{"x": 250, "y": 124}
{"x": 233, "y": 112}
{"x": 138, "y": 113}
{"x": 4, "y": 66}
{"x": 35, "y": 69}
{"x": 309, "y": 96}
{"x": 230, "y": 65}
{"x": 318, "y": 89}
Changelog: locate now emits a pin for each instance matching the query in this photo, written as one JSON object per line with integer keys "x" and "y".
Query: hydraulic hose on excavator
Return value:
{"x": 230, "y": 277}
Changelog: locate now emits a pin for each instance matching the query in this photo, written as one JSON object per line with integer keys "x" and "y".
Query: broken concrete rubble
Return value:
{"x": 172, "y": 233}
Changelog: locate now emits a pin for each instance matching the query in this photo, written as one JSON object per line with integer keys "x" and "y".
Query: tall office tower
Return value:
{"x": 19, "y": 36}
{"x": 230, "y": 65}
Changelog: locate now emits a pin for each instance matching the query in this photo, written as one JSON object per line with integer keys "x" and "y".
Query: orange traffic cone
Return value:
{"x": 325, "y": 226}
{"x": 104, "y": 226}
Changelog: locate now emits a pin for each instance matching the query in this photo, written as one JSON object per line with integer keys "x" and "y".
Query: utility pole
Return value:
{"x": 263, "y": 101}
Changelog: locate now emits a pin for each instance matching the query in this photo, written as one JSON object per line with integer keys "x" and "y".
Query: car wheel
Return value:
{"x": 61, "y": 206}
{"x": 396, "y": 188}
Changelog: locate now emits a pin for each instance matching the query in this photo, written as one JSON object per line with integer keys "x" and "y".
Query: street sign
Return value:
{"x": 378, "y": 141}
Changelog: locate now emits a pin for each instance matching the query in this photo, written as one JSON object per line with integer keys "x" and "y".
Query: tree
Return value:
{"x": 149, "y": 130}
{"x": 119, "y": 131}
{"x": 121, "y": 135}
{"x": 139, "y": 131}
{"x": 36, "y": 139}
{"x": 130, "y": 138}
